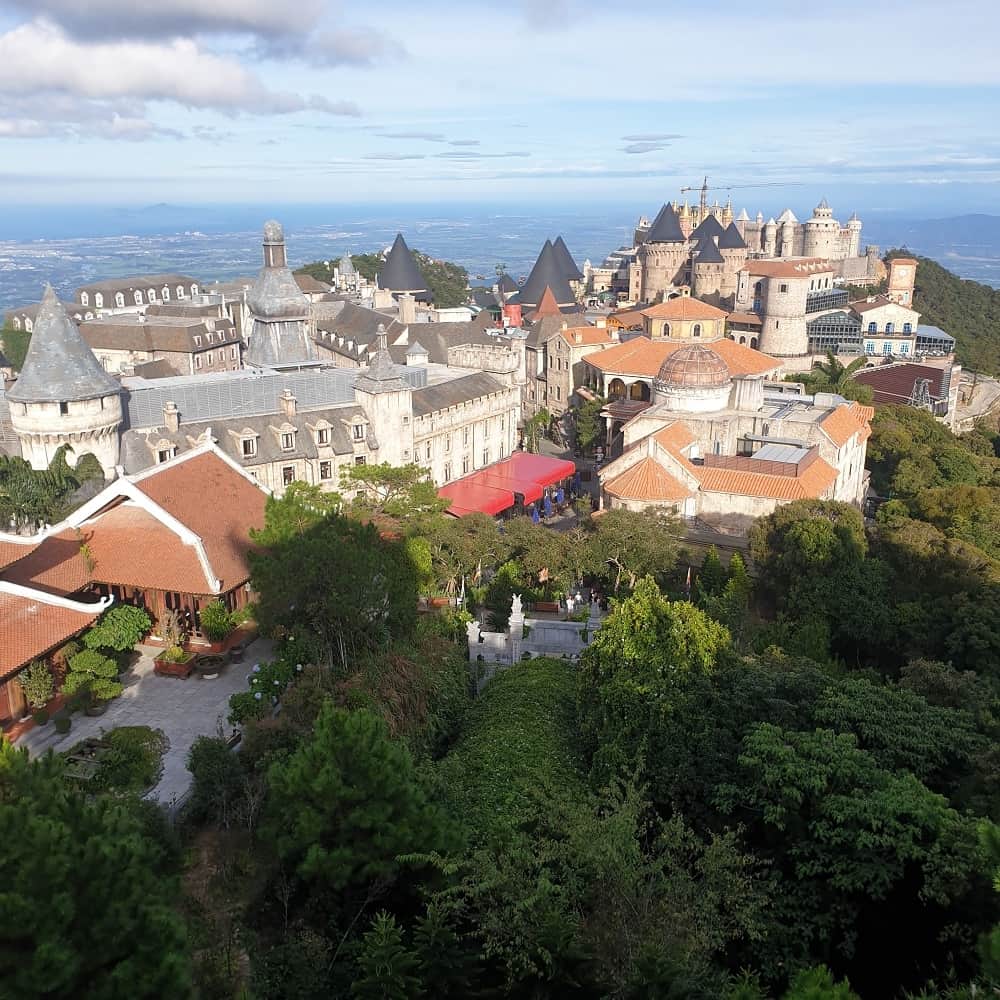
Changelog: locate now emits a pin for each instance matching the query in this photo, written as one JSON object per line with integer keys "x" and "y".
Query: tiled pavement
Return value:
{"x": 183, "y": 709}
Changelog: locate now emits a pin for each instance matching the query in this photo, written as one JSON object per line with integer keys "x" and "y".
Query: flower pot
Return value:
{"x": 174, "y": 667}
{"x": 96, "y": 708}
{"x": 41, "y": 716}
{"x": 63, "y": 724}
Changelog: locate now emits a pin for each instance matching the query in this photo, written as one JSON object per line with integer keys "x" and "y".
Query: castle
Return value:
{"x": 704, "y": 249}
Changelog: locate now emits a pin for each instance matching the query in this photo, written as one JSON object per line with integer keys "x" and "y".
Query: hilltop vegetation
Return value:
{"x": 447, "y": 282}
{"x": 968, "y": 310}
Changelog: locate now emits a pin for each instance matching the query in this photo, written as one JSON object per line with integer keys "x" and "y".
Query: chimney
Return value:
{"x": 288, "y": 403}
{"x": 407, "y": 309}
{"x": 171, "y": 417}
{"x": 577, "y": 337}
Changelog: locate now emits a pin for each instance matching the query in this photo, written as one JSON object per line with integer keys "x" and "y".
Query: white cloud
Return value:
{"x": 38, "y": 57}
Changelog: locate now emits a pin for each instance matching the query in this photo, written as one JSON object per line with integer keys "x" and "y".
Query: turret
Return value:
{"x": 63, "y": 395}
{"x": 854, "y": 229}
{"x": 770, "y": 246}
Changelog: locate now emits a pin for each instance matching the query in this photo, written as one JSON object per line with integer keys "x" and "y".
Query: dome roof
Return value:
{"x": 694, "y": 367}
{"x": 273, "y": 233}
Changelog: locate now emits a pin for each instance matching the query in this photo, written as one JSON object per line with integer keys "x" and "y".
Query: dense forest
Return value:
{"x": 447, "y": 282}
{"x": 777, "y": 780}
{"x": 968, "y": 310}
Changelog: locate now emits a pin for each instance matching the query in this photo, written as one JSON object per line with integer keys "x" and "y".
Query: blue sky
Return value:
{"x": 888, "y": 106}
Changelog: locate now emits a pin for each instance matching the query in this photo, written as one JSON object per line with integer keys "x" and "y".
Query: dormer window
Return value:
{"x": 323, "y": 435}
{"x": 137, "y": 298}
{"x": 99, "y": 300}
{"x": 120, "y": 300}
{"x": 85, "y": 298}
{"x": 180, "y": 291}
{"x": 248, "y": 445}
{"x": 288, "y": 441}
{"x": 151, "y": 295}
{"x": 163, "y": 455}
{"x": 197, "y": 340}
{"x": 165, "y": 293}
{"x": 359, "y": 432}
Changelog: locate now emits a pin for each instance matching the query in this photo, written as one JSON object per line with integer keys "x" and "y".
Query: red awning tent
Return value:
{"x": 492, "y": 490}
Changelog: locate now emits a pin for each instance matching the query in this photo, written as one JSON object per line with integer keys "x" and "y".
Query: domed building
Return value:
{"x": 693, "y": 380}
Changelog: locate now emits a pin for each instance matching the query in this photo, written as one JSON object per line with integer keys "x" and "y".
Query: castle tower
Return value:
{"x": 854, "y": 239}
{"x": 707, "y": 270}
{"x": 400, "y": 272}
{"x": 727, "y": 212}
{"x": 788, "y": 230}
{"x": 770, "y": 244}
{"x": 63, "y": 395}
{"x": 902, "y": 275}
{"x": 783, "y": 314}
{"x": 733, "y": 248}
{"x": 279, "y": 330}
{"x": 387, "y": 398}
{"x": 663, "y": 256}
{"x": 821, "y": 233}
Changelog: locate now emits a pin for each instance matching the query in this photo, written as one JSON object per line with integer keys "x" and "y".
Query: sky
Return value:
{"x": 886, "y": 106}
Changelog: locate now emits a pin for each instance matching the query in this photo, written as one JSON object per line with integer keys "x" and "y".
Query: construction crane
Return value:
{"x": 703, "y": 200}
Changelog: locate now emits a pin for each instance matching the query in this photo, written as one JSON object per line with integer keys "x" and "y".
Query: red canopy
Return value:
{"x": 491, "y": 490}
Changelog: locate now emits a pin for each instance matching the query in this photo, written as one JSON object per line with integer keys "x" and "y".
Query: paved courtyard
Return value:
{"x": 183, "y": 709}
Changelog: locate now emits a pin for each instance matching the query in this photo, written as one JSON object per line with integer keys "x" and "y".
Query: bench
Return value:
{"x": 550, "y": 606}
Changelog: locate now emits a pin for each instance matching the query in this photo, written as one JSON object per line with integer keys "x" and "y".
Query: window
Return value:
{"x": 782, "y": 288}
{"x": 232, "y": 353}
{"x": 465, "y": 466}
{"x": 197, "y": 340}
{"x": 696, "y": 330}
{"x": 151, "y": 295}
{"x": 165, "y": 294}
{"x": 63, "y": 409}
{"x": 406, "y": 421}
{"x": 359, "y": 460}
{"x": 869, "y": 347}
{"x": 85, "y": 298}
{"x": 322, "y": 436}
{"x": 427, "y": 451}
{"x": 326, "y": 470}
{"x": 249, "y": 446}
{"x": 120, "y": 300}
{"x": 907, "y": 328}
{"x": 486, "y": 428}
{"x": 287, "y": 441}
{"x": 447, "y": 471}
{"x": 359, "y": 432}
{"x": 287, "y": 475}
{"x": 465, "y": 435}
{"x": 486, "y": 456}
{"x": 904, "y": 348}
{"x": 890, "y": 328}
{"x": 447, "y": 442}
{"x": 872, "y": 327}
{"x": 163, "y": 456}
{"x": 209, "y": 358}
{"x": 503, "y": 421}
{"x": 137, "y": 298}
{"x": 406, "y": 454}
{"x": 887, "y": 348}
{"x": 180, "y": 291}
{"x": 99, "y": 300}
{"x": 197, "y": 361}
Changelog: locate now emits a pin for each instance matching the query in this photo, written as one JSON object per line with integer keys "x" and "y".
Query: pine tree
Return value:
{"x": 388, "y": 967}
{"x": 711, "y": 577}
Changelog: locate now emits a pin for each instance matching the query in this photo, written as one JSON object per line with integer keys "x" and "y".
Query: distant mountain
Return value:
{"x": 968, "y": 310}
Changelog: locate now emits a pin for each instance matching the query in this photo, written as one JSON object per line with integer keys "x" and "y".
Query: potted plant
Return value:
{"x": 92, "y": 677}
{"x": 175, "y": 660}
{"x": 63, "y": 722}
{"x": 216, "y": 621}
{"x": 37, "y": 685}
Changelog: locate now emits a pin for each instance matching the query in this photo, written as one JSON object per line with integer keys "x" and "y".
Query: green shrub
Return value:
{"x": 134, "y": 759}
{"x": 267, "y": 684}
{"x": 63, "y": 723}
{"x": 40, "y": 717}
{"x": 216, "y": 621}
{"x": 175, "y": 654}
{"x": 37, "y": 684}
{"x": 119, "y": 628}
{"x": 218, "y": 781}
{"x": 95, "y": 672}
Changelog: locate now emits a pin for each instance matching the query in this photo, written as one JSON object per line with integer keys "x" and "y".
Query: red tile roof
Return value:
{"x": 791, "y": 268}
{"x": 577, "y": 336}
{"x": 647, "y": 480}
{"x": 844, "y": 422}
{"x": 811, "y": 483}
{"x": 11, "y": 551}
{"x": 31, "y": 626}
{"x": 643, "y": 357}
{"x": 684, "y": 307}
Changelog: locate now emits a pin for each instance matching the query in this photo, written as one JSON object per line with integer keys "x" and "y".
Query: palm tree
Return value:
{"x": 833, "y": 375}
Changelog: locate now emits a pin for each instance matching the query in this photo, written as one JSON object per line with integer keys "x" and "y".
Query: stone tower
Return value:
{"x": 387, "y": 399}
{"x": 707, "y": 271}
{"x": 821, "y": 233}
{"x": 663, "y": 256}
{"x": 770, "y": 244}
{"x": 279, "y": 312}
{"x": 783, "y": 315}
{"x": 63, "y": 395}
{"x": 902, "y": 275}
{"x": 854, "y": 241}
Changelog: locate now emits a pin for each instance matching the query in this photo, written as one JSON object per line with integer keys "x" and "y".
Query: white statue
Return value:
{"x": 472, "y": 632}
{"x": 515, "y": 606}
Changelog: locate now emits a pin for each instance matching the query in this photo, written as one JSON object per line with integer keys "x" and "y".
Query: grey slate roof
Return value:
{"x": 381, "y": 376}
{"x": 416, "y": 349}
{"x": 707, "y": 228}
{"x": 548, "y": 271}
{"x": 59, "y": 366}
{"x": 573, "y": 273}
{"x": 432, "y": 398}
{"x": 708, "y": 253}
{"x": 244, "y": 393}
{"x": 141, "y": 282}
{"x": 731, "y": 239}
{"x": 507, "y": 284}
{"x": 174, "y": 334}
{"x": 666, "y": 227}
{"x": 346, "y": 266}
{"x": 400, "y": 272}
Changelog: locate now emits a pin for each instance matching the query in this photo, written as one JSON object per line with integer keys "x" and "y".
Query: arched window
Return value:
{"x": 743, "y": 340}
{"x": 165, "y": 294}
{"x": 194, "y": 289}
{"x": 120, "y": 300}
{"x": 873, "y": 327}
{"x": 890, "y": 327}
{"x": 753, "y": 343}
{"x": 666, "y": 329}
{"x": 99, "y": 300}
{"x": 180, "y": 291}
{"x": 907, "y": 328}
{"x": 137, "y": 297}
{"x": 696, "y": 330}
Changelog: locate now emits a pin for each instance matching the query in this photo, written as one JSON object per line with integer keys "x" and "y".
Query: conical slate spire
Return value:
{"x": 573, "y": 273}
{"x": 707, "y": 229}
{"x": 708, "y": 253}
{"x": 381, "y": 375}
{"x": 666, "y": 227}
{"x": 547, "y": 305}
{"x": 59, "y": 366}
{"x": 731, "y": 239}
{"x": 547, "y": 272}
{"x": 400, "y": 272}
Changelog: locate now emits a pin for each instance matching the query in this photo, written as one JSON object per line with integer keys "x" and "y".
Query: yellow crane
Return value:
{"x": 703, "y": 200}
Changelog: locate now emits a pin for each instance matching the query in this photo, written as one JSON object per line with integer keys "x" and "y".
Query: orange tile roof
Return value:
{"x": 217, "y": 503}
{"x": 674, "y": 438}
{"x": 843, "y": 422}
{"x": 801, "y": 268}
{"x": 30, "y": 627}
{"x": 643, "y": 357}
{"x": 588, "y": 335}
{"x": 627, "y": 318}
{"x": 10, "y": 552}
{"x": 547, "y": 305}
{"x": 128, "y": 547}
{"x": 684, "y": 307}
{"x": 747, "y": 319}
{"x": 812, "y": 483}
{"x": 647, "y": 480}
